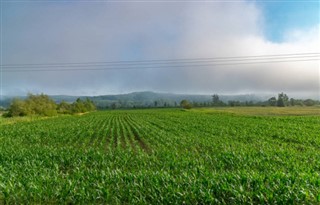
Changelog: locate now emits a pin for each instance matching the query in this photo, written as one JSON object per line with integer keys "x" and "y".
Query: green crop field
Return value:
{"x": 163, "y": 156}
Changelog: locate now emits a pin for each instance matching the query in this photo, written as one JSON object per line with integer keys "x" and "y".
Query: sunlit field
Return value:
{"x": 266, "y": 111}
{"x": 162, "y": 156}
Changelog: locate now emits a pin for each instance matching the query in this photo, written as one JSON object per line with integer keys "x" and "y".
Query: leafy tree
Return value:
{"x": 41, "y": 105}
{"x": 185, "y": 104}
{"x": 33, "y": 105}
{"x": 195, "y": 104}
{"x": 282, "y": 100}
{"x": 89, "y": 105}
{"x": 17, "y": 108}
{"x": 234, "y": 103}
{"x": 294, "y": 102}
{"x": 309, "y": 102}
{"x": 249, "y": 103}
{"x": 78, "y": 106}
{"x": 113, "y": 106}
{"x": 64, "y": 108}
{"x": 272, "y": 101}
{"x": 216, "y": 100}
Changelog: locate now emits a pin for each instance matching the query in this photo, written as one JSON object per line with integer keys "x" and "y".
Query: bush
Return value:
{"x": 34, "y": 105}
{"x": 185, "y": 104}
{"x": 43, "y": 105}
{"x": 18, "y": 108}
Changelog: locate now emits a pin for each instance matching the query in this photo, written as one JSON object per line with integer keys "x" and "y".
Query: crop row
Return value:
{"x": 161, "y": 157}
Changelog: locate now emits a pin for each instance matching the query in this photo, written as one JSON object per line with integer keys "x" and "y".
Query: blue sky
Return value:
{"x": 60, "y": 32}
{"x": 283, "y": 16}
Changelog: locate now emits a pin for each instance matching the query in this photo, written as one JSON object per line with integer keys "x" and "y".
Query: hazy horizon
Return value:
{"x": 264, "y": 96}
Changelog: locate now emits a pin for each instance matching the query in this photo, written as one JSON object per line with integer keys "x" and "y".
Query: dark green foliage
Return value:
{"x": 158, "y": 100}
{"x": 34, "y": 105}
{"x": 216, "y": 101}
{"x": 82, "y": 106}
{"x": 272, "y": 101}
{"x": 309, "y": 102}
{"x": 234, "y": 103}
{"x": 43, "y": 105}
{"x": 78, "y": 106}
{"x": 89, "y": 105}
{"x": 64, "y": 108}
{"x": 282, "y": 100}
{"x": 18, "y": 108}
{"x": 185, "y": 104}
{"x": 296, "y": 102}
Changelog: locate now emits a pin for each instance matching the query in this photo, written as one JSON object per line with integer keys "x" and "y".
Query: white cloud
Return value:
{"x": 119, "y": 31}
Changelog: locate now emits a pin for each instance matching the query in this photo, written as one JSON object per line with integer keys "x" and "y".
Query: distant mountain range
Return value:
{"x": 145, "y": 98}
{"x": 153, "y": 96}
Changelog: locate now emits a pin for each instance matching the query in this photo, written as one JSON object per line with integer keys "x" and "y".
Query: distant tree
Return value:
{"x": 292, "y": 102}
{"x": 249, "y": 103}
{"x": 295, "y": 102}
{"x": 309, "y": 102}
{"x": 185, "y": 104}
{"x": 195, "y": 104}
{"x": 41, "y": 105}
{"x": 113, "y": 106}
{"x": 216, "y": 100}
{"x": 234, "y": 103}
{"x": 64, "y": 108}
{"x": 282, "y": 100}
{"x": 272, "y": 101}
{"x": 78, "y": 106}
{"x": 89, "y": 105}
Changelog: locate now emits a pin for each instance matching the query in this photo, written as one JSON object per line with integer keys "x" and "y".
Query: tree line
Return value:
{"x": 282, "y": 101}
{"x": 43, "y": 105}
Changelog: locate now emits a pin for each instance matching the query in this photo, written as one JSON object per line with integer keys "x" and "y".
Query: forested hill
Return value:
{"x": 153, "y": 99}
{"x": 145, "y": 98}
{"x": 153, "y": 96}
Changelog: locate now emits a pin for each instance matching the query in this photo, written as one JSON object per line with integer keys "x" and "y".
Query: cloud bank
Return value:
{"x": 89, "y": 32}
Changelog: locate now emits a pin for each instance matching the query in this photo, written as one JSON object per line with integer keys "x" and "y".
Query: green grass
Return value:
{"x": 265, "y": 111}
{"x": 162, "y": 157}
{"x": 14, "y": 120}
